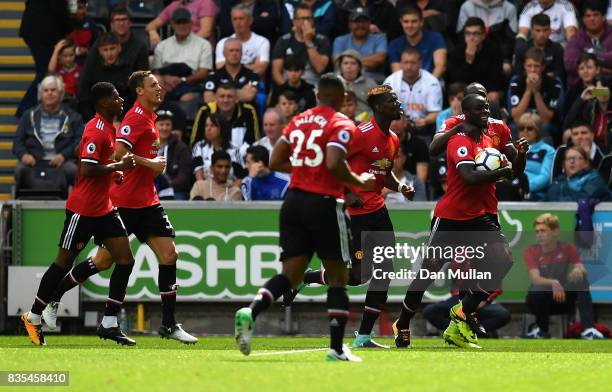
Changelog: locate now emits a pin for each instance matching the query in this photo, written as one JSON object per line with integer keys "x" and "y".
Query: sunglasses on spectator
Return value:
{"x": 526, "y": 128}
{"x": 574, "y": 159}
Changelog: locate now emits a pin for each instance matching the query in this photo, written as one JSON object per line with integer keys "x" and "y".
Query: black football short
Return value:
{"x": 311, "y": 223}
{"x": 369, "y": 230}
{"x": 79, "y": 229}
{"x": 146, "y": 222}
{"x": 473, "y": 232}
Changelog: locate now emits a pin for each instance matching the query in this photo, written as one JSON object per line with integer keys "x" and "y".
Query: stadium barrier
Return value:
{"x": 228, "y": 250}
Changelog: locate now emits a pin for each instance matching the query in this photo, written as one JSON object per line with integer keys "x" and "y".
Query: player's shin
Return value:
{"x": 116, "y": 294}
{"x": 167, "y": 290}
{"x": 48, "y": 284}
{"x": 77, "y": 275}
{"x": 337, "y": 310}
{"x": 266, "y": 295}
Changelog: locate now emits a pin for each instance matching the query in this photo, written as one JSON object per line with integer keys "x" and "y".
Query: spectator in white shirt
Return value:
{"x": 562, "y": 17}
{"x": 273, "y": 123}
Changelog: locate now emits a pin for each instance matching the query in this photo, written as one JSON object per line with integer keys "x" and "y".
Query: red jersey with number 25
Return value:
{"x": 497, "y": 130}
{"x": 462, "y": 201}
{"x": 90, "y": 195}
{"x": 139, "y": 133}
{"x": 308, "y": 135}
{"x": 372, "y": 151}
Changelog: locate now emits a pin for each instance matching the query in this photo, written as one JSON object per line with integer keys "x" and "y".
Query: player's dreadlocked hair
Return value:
{"x": 376, "y": 93}
{"x": 137, "y": 80}
{"x": 100, "y": 91}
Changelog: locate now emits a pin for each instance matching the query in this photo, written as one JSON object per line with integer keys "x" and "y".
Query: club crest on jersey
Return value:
{"x": 126, "y": 130}
{"x": 359, "y": 255}
{"x": 496, "y": 140}
{"x": 344, "y": 136}
{"x": 383, "y": 163}
{"x": 91, "y": 148}
{"x": 462, "y": 152}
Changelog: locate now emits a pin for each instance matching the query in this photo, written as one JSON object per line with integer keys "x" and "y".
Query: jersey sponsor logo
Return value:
{"x": 344, "y": 136}
{"x": 383, "y": 163}
{"x": 462, "y": 152}
{"x": 91, "y": 148}
{"x": 126, "y": 130}
{"x": 375, "y": 149}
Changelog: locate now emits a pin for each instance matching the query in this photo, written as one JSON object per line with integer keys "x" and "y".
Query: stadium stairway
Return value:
{"x": 16, "y": 74}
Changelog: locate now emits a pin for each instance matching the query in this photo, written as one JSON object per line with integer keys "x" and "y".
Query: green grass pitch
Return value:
{"x": 214, "y": 364}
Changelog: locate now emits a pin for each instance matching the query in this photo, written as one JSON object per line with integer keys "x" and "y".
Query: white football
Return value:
{"x": 489, "y": 159}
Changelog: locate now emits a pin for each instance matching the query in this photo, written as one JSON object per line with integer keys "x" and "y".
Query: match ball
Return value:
{"x": 489, "y": 159}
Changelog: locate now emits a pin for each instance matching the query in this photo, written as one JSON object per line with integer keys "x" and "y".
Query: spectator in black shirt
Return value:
{"x": 233, "y": 71}
{"x": 540, "y": 38}
{"x": 477, "y": 59}
{"x": 588, "y": 69}
{"x": 415, "y": 148}
{"x": 382, "y": 12}
{"x": 294, "y": 69}
{"x": 178, "y": 157}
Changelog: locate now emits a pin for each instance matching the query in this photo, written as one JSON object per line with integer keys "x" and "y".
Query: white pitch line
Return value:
{"x": 289, "y": 352}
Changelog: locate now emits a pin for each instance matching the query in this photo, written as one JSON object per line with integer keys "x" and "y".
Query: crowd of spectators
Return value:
{"x": 234, "y": 72}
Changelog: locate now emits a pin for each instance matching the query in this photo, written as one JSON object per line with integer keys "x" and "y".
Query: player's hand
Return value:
{"x": 558, "y": 292}
{"x": 57, "y": 160}
{"x": 118, "y": 177}
{"x": 352, "y": 200}
{"x": 158, "y": 164}
{"x": 507, "y": 172}
{"x": 522, "y": 145}
{"x": 127, "y": 162}
{"x": 408, "y": 192}
{"x": 368, "y": 180}
{"x": 28, "y": 160}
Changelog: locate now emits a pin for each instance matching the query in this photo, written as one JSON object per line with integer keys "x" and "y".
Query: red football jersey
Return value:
{"x": 462, "y": 201}
{"x": 90, "y": 195}
{"x": 372, "y": 151}
{"x": 497, "y": 130}
{"x": 565, "y": 253}
{"x": 70, "y": 79}
{"x": 139, "y": 133}
{"x": 308, "y": 135}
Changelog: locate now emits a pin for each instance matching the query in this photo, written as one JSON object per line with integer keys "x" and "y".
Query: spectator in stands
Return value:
{"x": 415, "y": 149}
{"x": 110, "y": 69}
{"x": 404, "y": 177}
{"x": 262, "y": 183}
{"x": 502, "y": 24}
{"x": 232, "y": 71}
{"x": 255, "y": 48}
{"x": 588, "y": 69}
{"x": 561, "y": 13}
{"x": 47, "y": 135}
{"x": 84, "y": 31}
{"x": 539, "y": 157}
{"x": 583, "y": 136}
{"x": 287, "y": 104}
{"x": 43, "y": 24}
{"x": 294, "y": 69}
{"x": 265, "y": 17}
{"x": 63, "y": 62}
{"x": 595, "y": 37}
{"x": 540, "y": 38}
{"x": 273, "y": 124}
{"x": 434, "y": 12}
{"x": 579, "y": 180}
{"x": 177, "y": 154}
{"x": 439, "y": 178}
{"x": 173, "y": 109}
{"x": 477, "y": 59}
{"x": 371, "y": 46}
{"x": 304, "y": 43}
{"x": 184, "y": 59}
{"x": 349, "y": 107}
{"x": 430, "y": 44}
{"x": 595, "y": 111}
{"x": 418, "y": 90}
{"x": 455, "y": 96}
{"x": 559, "y": 280}
{"x": 537, "y": 92}
{"x": 382, "y": 12}
{"x": 491, "y": 315}
{"x": 201, "y": 13}
{"x": 350, "y": 68}
{"x": 134, "y": 50}
{"x": 217, "y": 137}
{"x": 241, "y": 117}
{"x": 324, "y": 12}
{"x": 217, "y": 187}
